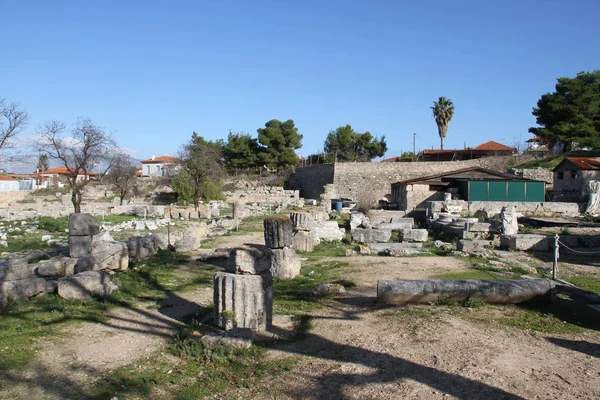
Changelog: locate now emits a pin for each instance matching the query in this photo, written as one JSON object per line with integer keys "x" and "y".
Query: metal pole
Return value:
{"x": 414, "y": 144}
{"x": 555, "y": 264}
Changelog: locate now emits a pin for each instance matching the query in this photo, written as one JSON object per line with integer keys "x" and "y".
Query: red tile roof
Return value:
{"x": 585, "y": 163}
{"x": 161, "y": 159}
{"x": 7, "y": 178}
{"x": 62, "y": 170}
{"x": 494, "y": 146}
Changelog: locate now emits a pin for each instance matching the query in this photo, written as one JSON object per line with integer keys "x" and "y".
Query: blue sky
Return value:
{"x": 153, "y": 72}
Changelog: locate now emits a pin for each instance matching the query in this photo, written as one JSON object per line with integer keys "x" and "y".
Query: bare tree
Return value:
{"x": 88, "y": 147}
{"x": 13, "y": 120}
{"x": 121, "y": 174}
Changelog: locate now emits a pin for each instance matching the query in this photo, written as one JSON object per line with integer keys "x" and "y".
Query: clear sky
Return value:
{"x": 152, "y": 72}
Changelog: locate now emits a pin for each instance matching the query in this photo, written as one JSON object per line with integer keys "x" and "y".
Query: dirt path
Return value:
{"x": 357, "y": 350}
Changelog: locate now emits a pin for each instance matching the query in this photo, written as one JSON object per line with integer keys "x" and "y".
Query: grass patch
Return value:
{"x": 116, "y": 219}
{"x": 23, "y": 243}
{"x": 49, "y": 224}
{"x": 153, "y": 278}
{"x": 200, "y": 371}
{"x": 327, "y": 249}
{"x": 589, "y": 283}
{"x": 23, "y": 325}
{"x": 293, "y": 296}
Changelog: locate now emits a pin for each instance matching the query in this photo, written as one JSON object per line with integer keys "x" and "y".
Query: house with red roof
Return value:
{"x": 571, "y": 177}
{"x": 158, "y": 166}
{"x": 487, "y": 149}
{"x": 59, "y": 174}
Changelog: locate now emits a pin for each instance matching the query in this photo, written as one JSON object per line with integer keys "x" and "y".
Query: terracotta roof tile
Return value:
{"x": 494, "y": 146}
{"x": 161, "y": 159}
{"x": 585, "y": 163}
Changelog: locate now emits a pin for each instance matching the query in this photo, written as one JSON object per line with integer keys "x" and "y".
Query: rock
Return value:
{"x": 45, "y": 238}
{"x": 285, "y": 263}
{"x": 371, "y": 235}
{"x": 303, "y": 241}
{"x": 212, "y": 254}
{"x": 105, "y": 256}
{"x": 250, "y": 261}
{"x": 80, "y": 246}
{"x": 302, "y": 221}
{"x": 351, "y": 253}
{"x": 16, "y": 269}
{"x": 414, "y": 235}
{"x": 480, "y": 227}
{"x": 243, "y": 301}
{"x": 194, "y": 215}
{"x": 215, "y": 212}
{"x": 394, "y": 249}
{"x": 51, "y": 287}
{"x": 151, "y": 225}
{"x": 364, "y": 250}
{"x": 328, "y": 231}
{"x": 395, "y": 226}
{"x": 236, "y": 337}
{"x": 529, "y": 242}
{"x": 21, "y": 289}
{"x": 161, "y": 241}
{"x": 140, "y": 247}
{"x": 474, "y": 246}
{"x": 192, "y": 239}
{"x": 328, "y": 289}
{"x": 359, "y": 220}
{"x": 103, "y": 237}
{"x": 60, "y": 266}
{"x": 443, "y": 245}
{"x": 278, "y": 232}
{"x": 83, "y": 224}
{"x": 508, "y": 215}
{"x": 86, "y": 285}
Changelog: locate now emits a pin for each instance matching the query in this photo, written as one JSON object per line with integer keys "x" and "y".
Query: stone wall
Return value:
{"x": 491, "y": 208}
{"x": 310, "y": 180}
{"x": 275, "y": 194}
{"x": 536, "y": 174}
{"x": 353, "y": 178}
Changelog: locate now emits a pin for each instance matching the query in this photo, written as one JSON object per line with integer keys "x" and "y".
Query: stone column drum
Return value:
{"x": 285, "y": 263}
{"x": 302, "y": 238}
{"x": 243, "y": 301}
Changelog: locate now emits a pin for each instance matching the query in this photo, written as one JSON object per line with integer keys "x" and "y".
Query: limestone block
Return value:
{"x": 60, "y": 266}
{"x": 303, "y": 241}
{"x": 371, "y": 235}
{"x": 86, "y": 285}
{"x": 392, "y": 248}
{"x": 140, "y": 247}
{"x": 83, "y": 224}
{"x": 105, "y": 256}
{"x": 161, "y": 241}
{"x": 395, "y": 226}
{"x": 414, "y": 235}
{"x": 480, "y": 227}
{"x": 80, "y": 246}
{"x": 16, "y": 269}
{"x": 22, "y": 289}
{"x": 328, "y": 289}
{"x": 403, "y": 220}
{"x": 243, "y": 301}
{"x": 192, "y": 239}
{"x": 530, "y": 242}
{"x": 205, "y": 212}
{"x": 278, "y": 232}
{"x": 194, "y": 215}
{"x": 328, "y": 231}
{"x": 251, "y": 261}
{"x": 215, "y": 212}
{"x": 359, "y": 220}
{"x": 474, "y": 246}
{"x": 285, "y": 263}
{"x": 302, "y": 221}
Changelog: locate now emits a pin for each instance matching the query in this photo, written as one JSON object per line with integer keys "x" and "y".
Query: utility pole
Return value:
{"x": 414, "y": 144}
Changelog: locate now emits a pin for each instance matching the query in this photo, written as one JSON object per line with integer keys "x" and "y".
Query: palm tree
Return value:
{"x": 443, "y": 110}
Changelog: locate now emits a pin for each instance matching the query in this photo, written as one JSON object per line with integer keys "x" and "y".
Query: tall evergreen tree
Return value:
{"x": 344, "y": 144}
{"x": 279, "y": 141}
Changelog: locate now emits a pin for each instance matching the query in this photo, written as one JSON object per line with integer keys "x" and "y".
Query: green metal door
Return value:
{"x": 478, "y": 191}
{"x": 516, "y": 191}
{"x": 497, "y": 191}
{"x": 535, "y": 191}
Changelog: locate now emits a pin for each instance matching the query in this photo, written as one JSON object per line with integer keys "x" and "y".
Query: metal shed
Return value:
{"x": 501, "y": 190}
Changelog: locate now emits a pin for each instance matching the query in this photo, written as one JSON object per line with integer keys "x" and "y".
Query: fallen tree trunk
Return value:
{"x": 490, "y": 291}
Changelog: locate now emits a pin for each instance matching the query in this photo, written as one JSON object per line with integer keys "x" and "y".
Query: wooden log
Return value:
{"x": 278, "y": 232}
{"x": 490, "y": 291}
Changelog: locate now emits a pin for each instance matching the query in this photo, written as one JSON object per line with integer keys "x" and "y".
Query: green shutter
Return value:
{"x": 478, "y": 191}
{"x": 516, "y": 191}
{"x": 497, "y": 191}
{"x": 535, "y": 191}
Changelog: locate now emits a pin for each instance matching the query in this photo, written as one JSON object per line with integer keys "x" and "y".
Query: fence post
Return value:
{"x": 555, "y": 264}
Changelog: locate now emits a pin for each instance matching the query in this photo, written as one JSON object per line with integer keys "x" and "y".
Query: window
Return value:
{"x": 560, "y": 175}
{"x": 573, "y": 174}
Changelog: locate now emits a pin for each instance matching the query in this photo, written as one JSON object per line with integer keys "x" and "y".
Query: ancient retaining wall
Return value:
{"x": 310, "y": 180}
{"x": 537, "y": 174}
{"x": 352, "y": 179}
